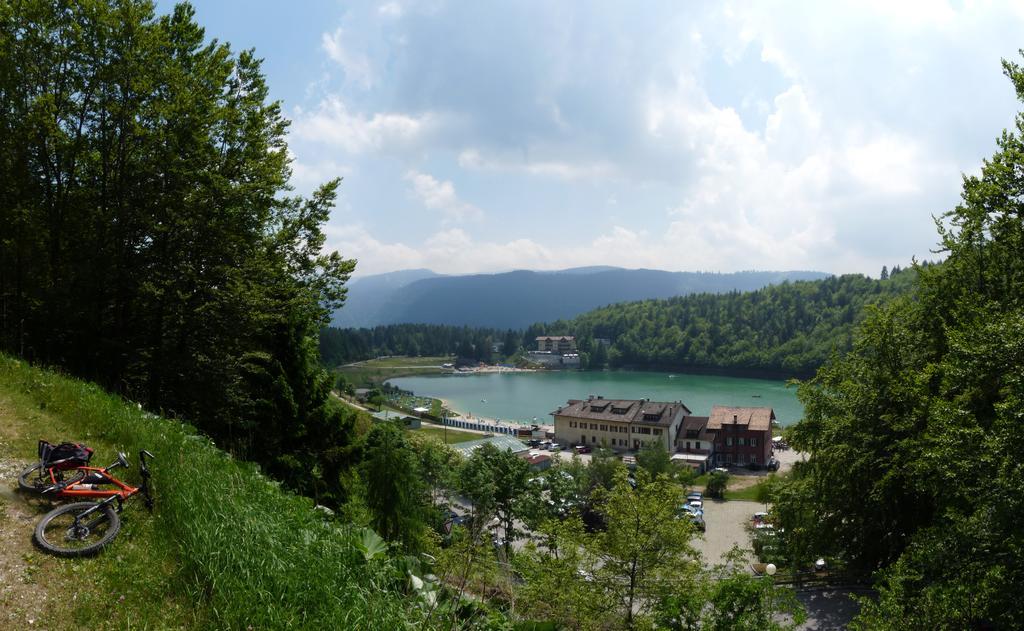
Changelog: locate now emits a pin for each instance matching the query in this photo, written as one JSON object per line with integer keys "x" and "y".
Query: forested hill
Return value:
{"x": 785, "y": 329}
{"x": 518, "y": 299}
{"x": 790, "y": 328}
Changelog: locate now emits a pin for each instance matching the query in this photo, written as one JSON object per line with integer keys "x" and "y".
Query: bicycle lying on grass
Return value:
{"x": 81, "y": 528}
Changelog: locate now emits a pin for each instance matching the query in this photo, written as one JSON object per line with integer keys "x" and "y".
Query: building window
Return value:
{"x": 728, "y": 441}
{"x": 593, "y": 426}
{"x": 604, "y": 428}
{"x": 593, "y": 439}
{"x": 753, "y": 458}
{"x": 572, "y": 423}
{"x": 753, "y": 442}
{"x": 657, "y": 432}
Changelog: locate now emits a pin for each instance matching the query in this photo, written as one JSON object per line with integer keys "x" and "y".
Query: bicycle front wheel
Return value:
{"x": 66, "y": 532}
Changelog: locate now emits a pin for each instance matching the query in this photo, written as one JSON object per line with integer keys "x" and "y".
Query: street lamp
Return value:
{"x": 770, "y": 570}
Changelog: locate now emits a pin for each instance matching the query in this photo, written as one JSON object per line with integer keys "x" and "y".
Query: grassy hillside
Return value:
{"x": 225, "y": 548}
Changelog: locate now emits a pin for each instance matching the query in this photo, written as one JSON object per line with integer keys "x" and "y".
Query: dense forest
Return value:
{"x": 149, "y": 242}
{"x": 341, "y": 346}
{"x": 790, "y": 328}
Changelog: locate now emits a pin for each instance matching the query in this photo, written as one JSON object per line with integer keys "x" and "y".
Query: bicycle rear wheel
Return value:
{"x": 36, "y": 479}
{"x": 64, "y": 533}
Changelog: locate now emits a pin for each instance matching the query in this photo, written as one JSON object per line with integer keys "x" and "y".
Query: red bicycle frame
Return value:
{"x": 88, "y": 484}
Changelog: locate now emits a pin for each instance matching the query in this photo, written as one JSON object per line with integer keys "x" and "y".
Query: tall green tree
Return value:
{"x": 655, "y": 460}
{"x": 915, "y": 437}
{"x": 496, "y": 482}
{"x": 394, "y": 487}
{"x": 645, "y": 551}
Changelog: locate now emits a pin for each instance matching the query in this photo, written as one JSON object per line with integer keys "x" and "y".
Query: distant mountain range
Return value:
{"x": 514, "y": 300}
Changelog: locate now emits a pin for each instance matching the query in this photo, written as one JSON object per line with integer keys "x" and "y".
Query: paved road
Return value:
{"x": 828, "y": 609}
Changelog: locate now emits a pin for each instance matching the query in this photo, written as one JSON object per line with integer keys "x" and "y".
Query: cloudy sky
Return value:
{"x": 487, "y": 136}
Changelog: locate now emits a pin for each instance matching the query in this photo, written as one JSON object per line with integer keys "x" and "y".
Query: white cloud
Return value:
{"x": 454, "y": 251}
{"x": 305, "y": 176}
{"x": 372, "y": 256}
{"x": 564, "y": 170}
{"x": 780, "y": 197}
{"x": 332, "y": 123}
{"x": 440, "y": 195}
{"x": 391, "y": 10}
{"x": 355, "y": 64}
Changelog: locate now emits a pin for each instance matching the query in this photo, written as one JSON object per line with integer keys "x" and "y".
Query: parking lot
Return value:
{"x": 725, "y": 527}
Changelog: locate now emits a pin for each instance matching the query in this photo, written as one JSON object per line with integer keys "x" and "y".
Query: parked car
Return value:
{"x": 694, "y": 514}
{"x": 691, "y": 509}
{"x": 773, "y": 464}
{"x": 720, "y": 470}
{"x": 454, "y": 518}
{"x": 762, "y": 521}
{"x": 582, "y": 449}
{"x": 533, "y": 442}
{"x": 695, "y": 495}
{"x": 555, "y": 447}
{"x": 696, "y": 503}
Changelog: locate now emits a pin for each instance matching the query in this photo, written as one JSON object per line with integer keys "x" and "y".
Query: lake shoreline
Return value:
{"x": 714, "y": 371}
{"x": 517, "y": 399}
{"x": 469, "y": 416}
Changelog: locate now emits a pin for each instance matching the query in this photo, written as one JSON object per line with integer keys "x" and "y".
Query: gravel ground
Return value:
{"x": 725, "y": 522}
{"x": 22, "y": 601}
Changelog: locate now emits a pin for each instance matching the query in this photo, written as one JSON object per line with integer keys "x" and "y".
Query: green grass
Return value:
{"x": 749, "y": 493}
{"x": 397, "y": 362}
{"x": 454, "y": 435}
{"x": 226, "y": 546}
{"x": 374, "y": 372}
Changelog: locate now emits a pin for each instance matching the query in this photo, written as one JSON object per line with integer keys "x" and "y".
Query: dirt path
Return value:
{"x": 23, "y": 588}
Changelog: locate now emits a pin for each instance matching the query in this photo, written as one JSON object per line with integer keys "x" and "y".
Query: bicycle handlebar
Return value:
{"x": 143, "y": 454}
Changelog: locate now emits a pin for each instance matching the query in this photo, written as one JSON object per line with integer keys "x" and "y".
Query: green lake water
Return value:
{"x": 523, "y": 396}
